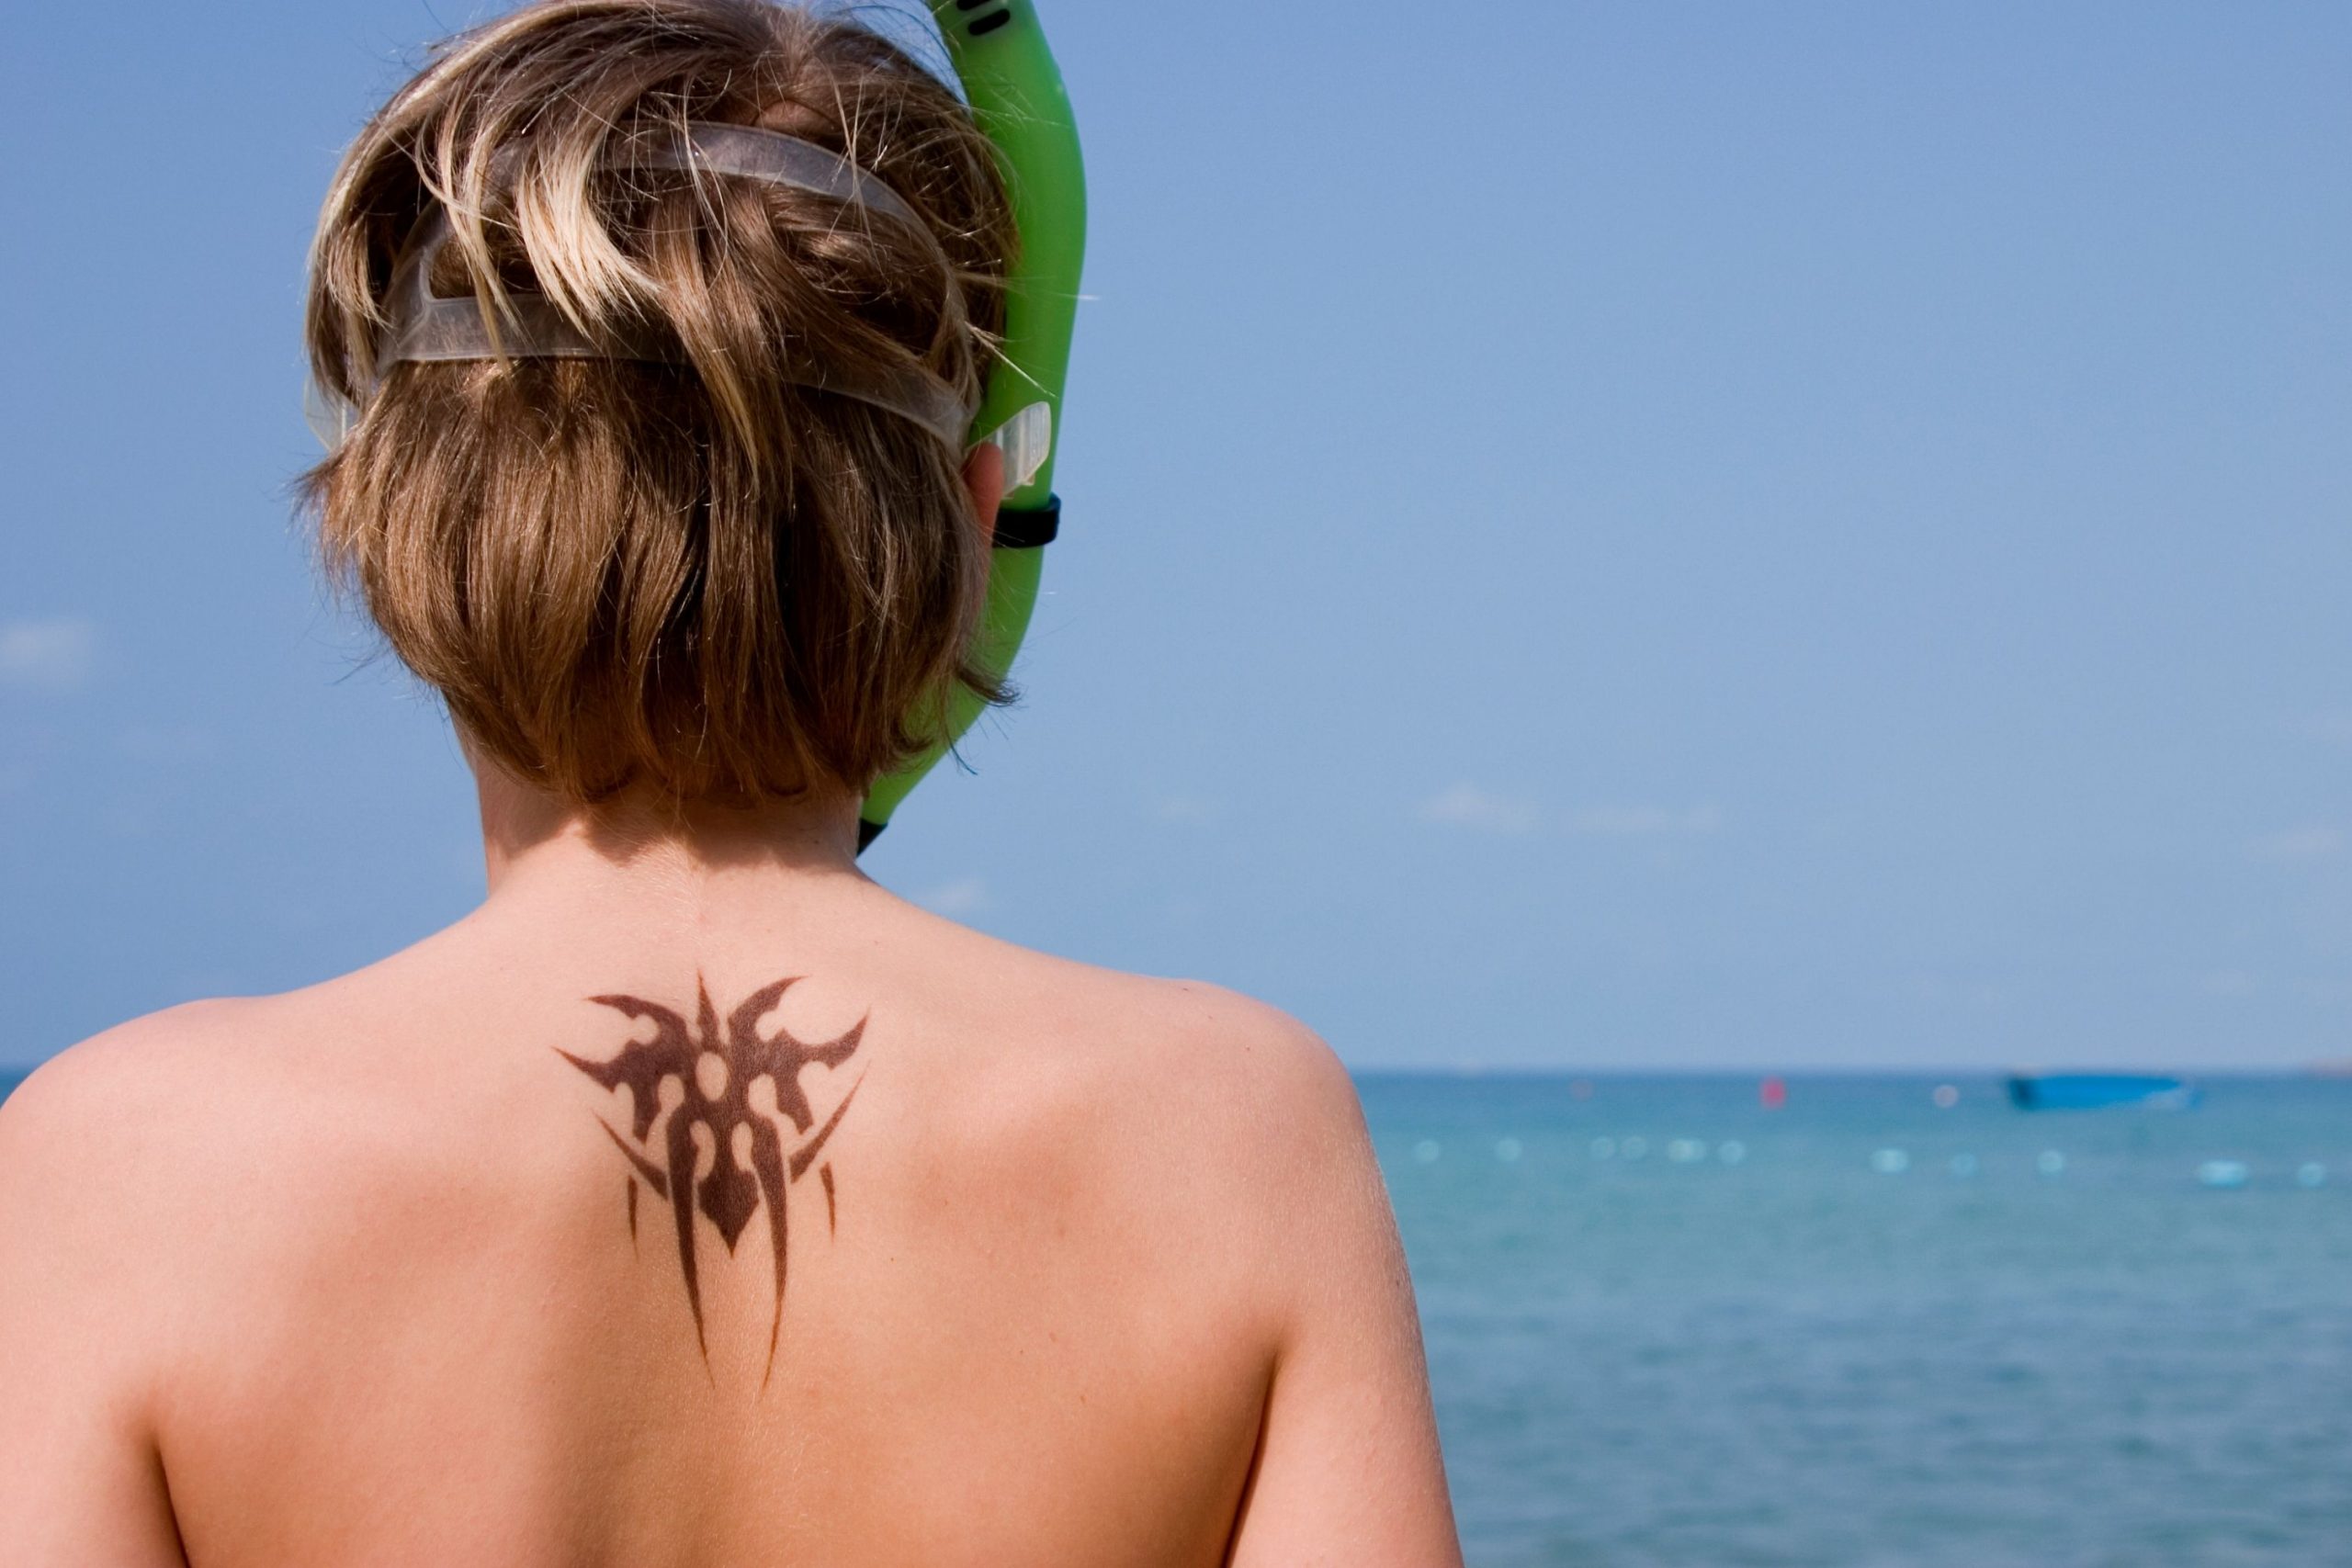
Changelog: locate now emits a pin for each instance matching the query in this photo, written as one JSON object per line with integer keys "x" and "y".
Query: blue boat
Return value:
{"x": 2090, "y": 1091}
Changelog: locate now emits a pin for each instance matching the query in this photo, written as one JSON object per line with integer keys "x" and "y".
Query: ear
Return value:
{"x": 983, "y": 478}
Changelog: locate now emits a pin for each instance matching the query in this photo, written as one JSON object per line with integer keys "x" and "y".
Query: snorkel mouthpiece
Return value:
{"x": 1016, "y": 90}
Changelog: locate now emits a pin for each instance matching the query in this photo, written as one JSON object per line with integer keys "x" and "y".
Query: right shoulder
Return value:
{"x": 1251, "y": 1078}
{"x": 1204, "y": 1114}
{"x": 1239, "y": 1084}
{"x": 1267, "y": 1145}
{"x": 1272, "y": 1091}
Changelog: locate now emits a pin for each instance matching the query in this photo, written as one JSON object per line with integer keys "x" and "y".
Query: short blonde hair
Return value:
{"x": 706, "y": 579}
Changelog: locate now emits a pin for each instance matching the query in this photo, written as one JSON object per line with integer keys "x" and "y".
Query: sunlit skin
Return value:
{"x": 345, "y": 1276}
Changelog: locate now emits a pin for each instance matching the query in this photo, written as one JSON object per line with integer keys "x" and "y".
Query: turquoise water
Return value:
{"x": 1985, "y": 1358}
{"x": 1991, "y": 1358}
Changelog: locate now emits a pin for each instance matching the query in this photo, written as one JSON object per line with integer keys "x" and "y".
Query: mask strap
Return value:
{"x": 424, "y": 329}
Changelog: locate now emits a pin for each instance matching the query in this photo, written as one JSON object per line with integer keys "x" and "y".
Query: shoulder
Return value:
{"x": 1270, "y": 1085}
{"x": 111, "y": 1095}
{"x": 211, "y": 1050}
{"x": 99, "y": 1087}
{"x": 111, "y": 1156}
{"x": 1186, "y": 1044}
{"x": 1190, "y": 1108}
{"x": 1268, "y": 1114}
{"x": 1195, "y": 1120}
{"x": 1242, "y": 1080}
{"x": 94, "y": 1229}
{"x": 115, "y": 1153}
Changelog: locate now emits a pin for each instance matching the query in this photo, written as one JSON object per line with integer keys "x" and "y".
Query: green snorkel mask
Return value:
{"x": 1016, "y": 90}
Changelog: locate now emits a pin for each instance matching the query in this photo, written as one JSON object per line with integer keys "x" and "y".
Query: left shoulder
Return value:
{"x": 115, "y": 1076}
{"x": 98, "y": 1218}
{"x": 101, "y": 1146}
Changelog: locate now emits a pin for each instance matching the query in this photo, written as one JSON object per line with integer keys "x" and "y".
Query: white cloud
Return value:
{"x": 1467, "y": 806}
{"x": 132, "y": 817}
{"x": 2299, "y": 844}
{"x": 2228, "y": 983}
{"x": 51, "y": 655}
{"x": 2333, "y": 728}
{"x": 1184, "y": 808}
{"x": 961, "y": 896}
{"x": 167, "y": 743}
{"x": 1624, "y": 821}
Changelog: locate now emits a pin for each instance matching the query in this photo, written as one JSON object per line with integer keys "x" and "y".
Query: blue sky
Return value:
{"x": 1596, "y": 536}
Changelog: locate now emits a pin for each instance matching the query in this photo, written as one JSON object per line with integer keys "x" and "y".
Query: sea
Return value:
{"x": 1894, "y": 1322}
{"x": 1891, "y": 1322}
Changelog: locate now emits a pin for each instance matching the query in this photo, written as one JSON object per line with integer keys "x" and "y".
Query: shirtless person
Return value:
{"x": 695, "y": 1200}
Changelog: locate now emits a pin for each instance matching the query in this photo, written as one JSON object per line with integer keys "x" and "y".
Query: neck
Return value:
{"x": 533, "y": 843}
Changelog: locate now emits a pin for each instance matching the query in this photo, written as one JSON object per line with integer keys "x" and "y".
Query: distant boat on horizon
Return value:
{"x": 2091, "y": 1091}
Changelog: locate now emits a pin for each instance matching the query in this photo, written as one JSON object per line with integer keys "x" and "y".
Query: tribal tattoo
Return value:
{"x": 716, "y": 1069}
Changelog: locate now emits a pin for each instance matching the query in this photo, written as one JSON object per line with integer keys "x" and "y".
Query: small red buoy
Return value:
{"x": 1773, "y": 1093}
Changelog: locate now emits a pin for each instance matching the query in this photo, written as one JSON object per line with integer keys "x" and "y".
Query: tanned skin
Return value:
{"x": 398, "y": 1269}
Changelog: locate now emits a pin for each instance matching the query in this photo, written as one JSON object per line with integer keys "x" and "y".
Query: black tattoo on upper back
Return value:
{"x": 716, "y": 1069}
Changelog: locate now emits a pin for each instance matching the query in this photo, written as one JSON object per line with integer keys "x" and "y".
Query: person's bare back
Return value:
{"x": 1077, "y": 1268}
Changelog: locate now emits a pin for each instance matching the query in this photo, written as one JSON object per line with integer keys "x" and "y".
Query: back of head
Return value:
{"x": 693, "y": 572}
